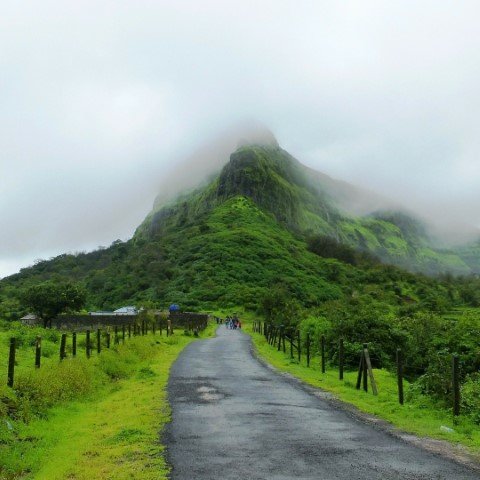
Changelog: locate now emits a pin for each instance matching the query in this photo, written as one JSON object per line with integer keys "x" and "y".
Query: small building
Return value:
{"x": 129, "y": 310}
{"x": 30, "y": 319}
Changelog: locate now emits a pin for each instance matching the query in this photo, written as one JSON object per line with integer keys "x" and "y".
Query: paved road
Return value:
{"x": 234, "y": 418}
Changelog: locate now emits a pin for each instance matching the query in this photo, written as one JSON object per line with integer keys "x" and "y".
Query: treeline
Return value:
{"x": 427, "y": 339}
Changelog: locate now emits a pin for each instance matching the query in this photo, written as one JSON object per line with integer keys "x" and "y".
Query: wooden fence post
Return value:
{"x": 456, "y": 385}
{"x": 341, "y": 357}
{"x": 322, "y": 352}
{"x": 291, "y": 344}
{"x": 108, "y": 339}
{"x": 299, "y": 349}
{"x": 87, "y": 344}
{"x": 400, "y": 375}
{"x": 11, "y": 363}
{"x": 129, "y": 330}
{"x": 115, "y": 338}
{"x": 369, "y": 370}
{"x": 99, "y": 340}
{"x": 123, "y": 333}
{"x": 360, "y": 371}
{"x": 38, "y": 351}
{"x": 74, "y": 344}
{"x": 365, "y": 370}
{"x": 308, "y": 350}
{"x": 63, "y": 344}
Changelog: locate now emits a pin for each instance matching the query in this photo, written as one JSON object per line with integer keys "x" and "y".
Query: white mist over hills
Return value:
{"x": 207, "y": 160}
{"x": 101, "y": 103}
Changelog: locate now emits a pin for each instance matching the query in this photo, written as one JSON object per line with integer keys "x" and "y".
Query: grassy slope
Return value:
{"x": 112, "y": 432}
{"x": 229, "y": 256}
{"x": 245, "y": 224}
{"x": 117, "y": 436}
{"x": 421, "y": 418}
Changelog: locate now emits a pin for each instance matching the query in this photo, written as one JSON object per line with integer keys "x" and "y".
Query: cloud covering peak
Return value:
{"x": 101, "y": 102}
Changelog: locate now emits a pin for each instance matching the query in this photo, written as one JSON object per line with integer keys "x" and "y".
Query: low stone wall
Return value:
{"x": 86, "y": 322}
{"x": 188, "y": 319}
{"x": 92, "y": 322}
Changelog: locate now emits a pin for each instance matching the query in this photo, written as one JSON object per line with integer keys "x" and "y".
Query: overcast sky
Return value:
{"x": 100, "y": 100}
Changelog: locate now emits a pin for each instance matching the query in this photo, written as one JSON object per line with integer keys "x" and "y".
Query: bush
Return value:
{"x": 358, "y": 321}
{"x": 117, "y": 366}
{"x": 470, "y": 395}
{"x": 40, "y": 389}
{"x": 437, "y": 381}
{"x": 26, "y": 336}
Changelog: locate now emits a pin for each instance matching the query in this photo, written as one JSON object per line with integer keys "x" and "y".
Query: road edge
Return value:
{"x": 454, "y": 452}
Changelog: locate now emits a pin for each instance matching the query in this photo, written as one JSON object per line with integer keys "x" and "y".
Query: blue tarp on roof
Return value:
{"x": 174, "y": 307}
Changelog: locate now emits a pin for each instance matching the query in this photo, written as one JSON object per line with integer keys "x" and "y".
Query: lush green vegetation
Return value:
{"x": 250, "y": 228}
{"x": 85, "y": 418}
{"x": 263, "y": 237}
{"x": 48, "y": 299}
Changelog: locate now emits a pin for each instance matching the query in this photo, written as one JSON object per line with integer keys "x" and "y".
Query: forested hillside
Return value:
{"x": 264, "y": 221}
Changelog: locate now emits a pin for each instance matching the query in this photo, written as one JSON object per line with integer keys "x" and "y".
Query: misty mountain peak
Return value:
{"x": 260, "y": 136}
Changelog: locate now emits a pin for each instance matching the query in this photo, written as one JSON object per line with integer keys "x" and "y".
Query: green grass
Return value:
{"x": 109, "y": 431}
{"x": 421, "y": 417}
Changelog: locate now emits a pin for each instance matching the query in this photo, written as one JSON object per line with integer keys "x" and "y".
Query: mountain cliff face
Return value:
{"x": 307, "y": 203}
{"x": 235, "y": 238}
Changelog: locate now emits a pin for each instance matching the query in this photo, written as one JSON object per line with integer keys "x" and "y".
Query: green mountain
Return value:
{"x": 248, "y": 231}
{"x": 307, "y": 202}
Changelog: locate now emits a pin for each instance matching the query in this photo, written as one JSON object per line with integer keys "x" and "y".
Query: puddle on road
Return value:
{"x": 205, "y": 389}
{"x": 210, "y": 394}
{"x": 198, "y": 391}
{"x": 211, "y": 397}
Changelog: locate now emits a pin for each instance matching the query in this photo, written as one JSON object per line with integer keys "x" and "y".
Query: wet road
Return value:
{"x": 233, "y": 418}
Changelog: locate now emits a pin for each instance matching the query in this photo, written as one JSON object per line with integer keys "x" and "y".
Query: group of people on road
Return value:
{"x": 233, "y": 323}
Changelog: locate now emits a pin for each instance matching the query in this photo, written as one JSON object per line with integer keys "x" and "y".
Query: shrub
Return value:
{"x": 117, "y": 366}
{"x": 43, "y": 388}
{"x": 470, "y": 395}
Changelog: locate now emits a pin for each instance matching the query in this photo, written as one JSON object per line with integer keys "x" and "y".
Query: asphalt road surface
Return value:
{"x": 234, "y": 418}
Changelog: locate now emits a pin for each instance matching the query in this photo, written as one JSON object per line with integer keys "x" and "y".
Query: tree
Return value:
{"x": 280, "y": 307}
{"x": 47, "y": 300}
